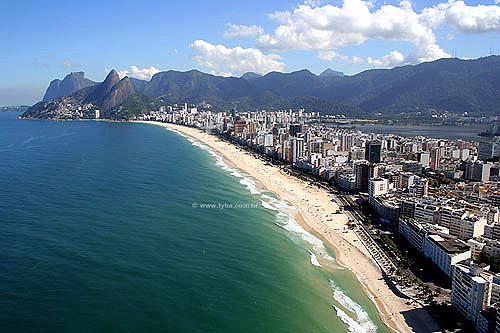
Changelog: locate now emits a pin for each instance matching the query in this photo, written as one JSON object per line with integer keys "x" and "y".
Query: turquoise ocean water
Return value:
{"x": 102, "y": 229}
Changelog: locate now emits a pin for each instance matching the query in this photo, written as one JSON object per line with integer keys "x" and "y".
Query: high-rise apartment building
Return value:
{"x": 435, "y": 158}
{"x": 373, "y": 151}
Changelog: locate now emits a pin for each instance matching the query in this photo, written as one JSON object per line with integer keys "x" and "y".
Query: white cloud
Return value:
{"x": 280, "y": 16}
{"x": 355, "y": 60}
{"x": 330, "y": 27}
{"x": 225, "y": 74}
{"x": 331, "y": 54}
{"x": 237, "y": 60}
{"x": 138, "y": 73}
{"x": 242, "y": 31}
{"x": 392, "y": 59}
{"x": 464, "y": 18}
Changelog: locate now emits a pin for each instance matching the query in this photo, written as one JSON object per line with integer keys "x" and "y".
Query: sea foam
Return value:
{"x": 363, "y": 320}
{"x": 219, "y": 161}
{"x": 286, "y": 220}
{"x": 250, "y": 184}
{"x": 352, "y": 325}
{"x": 314, "y": 260}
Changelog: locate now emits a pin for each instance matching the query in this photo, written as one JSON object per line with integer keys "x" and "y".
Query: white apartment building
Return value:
{"x": 476, "y": 247}
{"x": 268, "y": 140}
{"x": 442, "y": 249}
{"x": 445, "y": 252}
{"x": 467, "y": 226}
{"x": 426, "y": 212}
{"x": 413, "y": 231}
{"x": 378, "y": 186}
{"x": 446, "y": 214}
{"x": 470, "y": 290}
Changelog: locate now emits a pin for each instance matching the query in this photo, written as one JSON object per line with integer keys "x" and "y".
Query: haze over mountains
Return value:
{"x": 446, "y": 84}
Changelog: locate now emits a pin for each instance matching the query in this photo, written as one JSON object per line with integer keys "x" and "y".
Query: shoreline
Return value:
{"x": 315, "y": 207}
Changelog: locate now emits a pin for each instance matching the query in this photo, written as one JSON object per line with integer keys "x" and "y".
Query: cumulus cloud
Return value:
{"x": 392, "y": 59}
{"x": 237, "y": 60}
{"x": 464, "y": 18}
{"x": 331, "y": 54}
{"x": 242, "y": 31}
{"x": 139, "y": 73}
{"x": 331, "y": 27}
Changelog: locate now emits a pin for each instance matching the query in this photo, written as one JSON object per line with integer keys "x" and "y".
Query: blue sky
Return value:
{"x": 43, "y": 42}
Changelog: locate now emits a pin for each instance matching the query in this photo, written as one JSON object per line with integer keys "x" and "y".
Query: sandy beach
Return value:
{"x": 316, "y": 207}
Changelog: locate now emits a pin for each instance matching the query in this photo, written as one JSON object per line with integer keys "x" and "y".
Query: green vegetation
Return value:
{"x": 135, "y": 105}
{"x": 443, "y": 85}
{"x": 494, "y": 262}
{"x": 393, "y": 246}
{"x": 436, "y": 180}
{"x": 408, "y": 92}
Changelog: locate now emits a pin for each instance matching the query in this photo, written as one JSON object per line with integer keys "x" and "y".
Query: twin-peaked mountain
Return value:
{"x": 114, "y": 98}
{"x": 447, "y": 84}
{"x": 110, "y": 93}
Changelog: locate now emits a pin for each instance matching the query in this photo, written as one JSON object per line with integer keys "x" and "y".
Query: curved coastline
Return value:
{"x": 314, "y": 206}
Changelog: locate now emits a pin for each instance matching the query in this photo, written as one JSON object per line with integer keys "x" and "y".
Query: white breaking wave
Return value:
{"x": 314, "y": 260}
{"x": 219, "y": 161}
{"x": 250, "y": 184}
{"x": 349, "y": 304}
{"x": 316, "y": 243}
{"x": 352, "y": 325}
{"x": 269, "y": 206}
{"x": 286, "y": 220}
{"x": 236, "y": 173}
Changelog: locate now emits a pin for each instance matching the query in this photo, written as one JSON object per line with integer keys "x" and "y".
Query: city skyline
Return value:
{"x": 218, "y": 38}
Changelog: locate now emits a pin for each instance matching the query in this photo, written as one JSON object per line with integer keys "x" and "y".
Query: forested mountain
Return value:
{"x": 446, "y": 84}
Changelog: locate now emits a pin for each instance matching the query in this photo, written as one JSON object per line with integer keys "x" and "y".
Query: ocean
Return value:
{"x": 123, "y": 227}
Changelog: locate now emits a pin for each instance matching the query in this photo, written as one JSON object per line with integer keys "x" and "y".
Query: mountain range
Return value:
{"x": 447, "y": 84}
